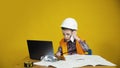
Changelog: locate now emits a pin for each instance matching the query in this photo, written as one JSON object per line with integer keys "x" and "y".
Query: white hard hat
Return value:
{"x": 70, "y": 23}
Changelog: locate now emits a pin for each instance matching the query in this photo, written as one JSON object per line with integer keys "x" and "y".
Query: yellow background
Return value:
{"x": 99, "y": 24}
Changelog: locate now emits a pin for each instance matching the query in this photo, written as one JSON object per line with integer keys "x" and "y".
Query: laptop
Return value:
{"x": 39, "y": 48}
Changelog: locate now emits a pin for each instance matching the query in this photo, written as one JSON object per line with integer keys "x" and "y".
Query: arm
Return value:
{"x": 59, "y": 52}
{"x": 83, "y": 43}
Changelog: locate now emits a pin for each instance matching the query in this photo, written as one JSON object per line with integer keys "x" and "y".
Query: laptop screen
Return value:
{"x": 38, "y": 48}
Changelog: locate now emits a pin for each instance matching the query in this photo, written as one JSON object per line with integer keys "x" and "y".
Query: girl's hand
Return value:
{"x": 75, "y": 35}
{"x": 58, "y": 54}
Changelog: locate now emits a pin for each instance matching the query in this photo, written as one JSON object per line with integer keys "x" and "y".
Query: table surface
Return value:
{"x": 80, "y": 67}
{"x": 36, "y": 66}
{"x": 21, "y": 65}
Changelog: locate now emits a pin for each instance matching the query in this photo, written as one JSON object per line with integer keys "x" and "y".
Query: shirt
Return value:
{"x": 71, "y": 45}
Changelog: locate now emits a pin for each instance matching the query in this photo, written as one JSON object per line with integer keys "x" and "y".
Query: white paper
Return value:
{"x": 77, "y": 61}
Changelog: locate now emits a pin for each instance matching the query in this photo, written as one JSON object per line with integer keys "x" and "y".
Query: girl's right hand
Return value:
{"x": 58, "y": 54}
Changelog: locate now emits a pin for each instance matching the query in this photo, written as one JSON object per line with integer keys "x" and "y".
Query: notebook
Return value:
{"x": 39, "y": 48}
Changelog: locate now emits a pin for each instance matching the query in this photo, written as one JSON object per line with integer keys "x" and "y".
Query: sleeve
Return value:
{"x": 59, "y": 49}
{"x": 84, "y": 45}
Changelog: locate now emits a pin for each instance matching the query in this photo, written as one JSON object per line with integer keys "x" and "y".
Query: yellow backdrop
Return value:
{"x": 99, "y": 24}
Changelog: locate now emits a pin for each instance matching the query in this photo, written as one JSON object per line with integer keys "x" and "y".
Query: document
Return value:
{"x": 72, "y": 61}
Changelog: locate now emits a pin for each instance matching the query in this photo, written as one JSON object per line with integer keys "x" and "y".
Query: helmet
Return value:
{"x": 70, "y": 23}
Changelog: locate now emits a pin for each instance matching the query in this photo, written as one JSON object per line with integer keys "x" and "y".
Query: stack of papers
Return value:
{"x": 77, "y": 61}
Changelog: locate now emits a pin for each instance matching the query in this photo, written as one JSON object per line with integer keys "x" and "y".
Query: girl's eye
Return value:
{"x": 68, "y": 34}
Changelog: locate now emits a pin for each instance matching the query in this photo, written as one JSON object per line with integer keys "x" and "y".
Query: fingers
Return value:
{"x": 74, "y": 32}
{"x": 58, "y": 54}
{"x": 75, "y": 36}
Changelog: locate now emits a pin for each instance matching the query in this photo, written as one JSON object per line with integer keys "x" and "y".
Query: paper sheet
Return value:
{"x": 77, "y": 61}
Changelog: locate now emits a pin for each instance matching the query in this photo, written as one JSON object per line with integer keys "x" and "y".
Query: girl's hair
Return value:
{"x": 63, "y": 28}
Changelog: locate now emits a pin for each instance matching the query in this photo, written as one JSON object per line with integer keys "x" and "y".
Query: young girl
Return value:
{"x": 71, "y": 43}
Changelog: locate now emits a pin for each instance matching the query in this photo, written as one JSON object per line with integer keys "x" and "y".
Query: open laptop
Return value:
{"x": 38, "y": 48}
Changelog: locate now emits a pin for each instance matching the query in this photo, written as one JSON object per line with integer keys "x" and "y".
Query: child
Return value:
{"x": 71, "y": 43}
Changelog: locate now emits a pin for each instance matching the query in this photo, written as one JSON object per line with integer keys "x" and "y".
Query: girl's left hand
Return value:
{"x": 75, "y": 35}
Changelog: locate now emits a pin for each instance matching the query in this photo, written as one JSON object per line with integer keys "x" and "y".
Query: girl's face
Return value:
{"x": 67, "y": 34}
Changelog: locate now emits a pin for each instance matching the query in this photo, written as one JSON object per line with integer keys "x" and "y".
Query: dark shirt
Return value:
{"x": 71, "y": 47}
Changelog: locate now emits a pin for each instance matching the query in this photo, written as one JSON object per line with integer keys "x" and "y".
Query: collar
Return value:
{"x": 72, "y": 39}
